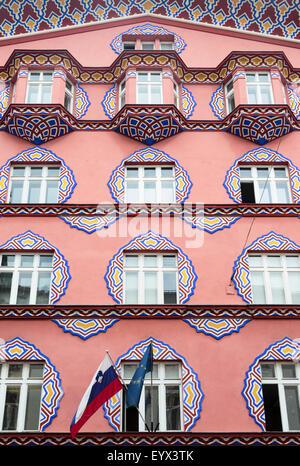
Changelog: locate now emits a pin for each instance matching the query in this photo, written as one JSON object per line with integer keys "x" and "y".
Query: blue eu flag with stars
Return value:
{"x": 135, "y": 387}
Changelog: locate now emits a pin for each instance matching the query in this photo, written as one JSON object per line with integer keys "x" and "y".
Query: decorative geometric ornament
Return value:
{"x": 217, "y": 103}
{"x": 187, "y": 102}
{"x": 85, "y": 328}
{"x": 210, "y": 224}
{"x": 217, "y": 328}
{"x": 67, "y": 181}
{"x": 147, "y": 29}
{"x": 60, "y": 275}
{"x": 116, "y": 182}
{"x": 21, "y": 350}
{"x": 294, "y": 101}
{"x": 150, "y": 241}
{"x": 192, "y": 393}
{"x": 269, "y": 242}
{"x": 81, "y": 103}
{"x": 4, "y": 99}
{"x": 109, "y": 102}
{"x": 283, "y": 350}
{"x": 89, "y": 224}
{"x": 232, "y": 179}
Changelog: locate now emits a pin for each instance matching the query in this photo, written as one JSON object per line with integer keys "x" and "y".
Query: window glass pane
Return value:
{"x": 131, "y": 261}
{"x": 292, "y": 406}
{"x": 7, "y": 260}
{"x": 36, "y": 371}
{"x": 292, "y": 261}
{"x": 35, "y": 76}
{"x": 46, "y": 261}
{"x": 147, "y": 45}
{"x": 36, "y": 171}
{"x": 264, "y": 195}
{"x": 171, "y": 371}
{"x": 15, "y": 371}
{"x": 150, "y": 172}
{"x": 282, "y": 191}
{"x": 279, "y": 172}
{"x": 131, "y": 288}
{"x": 132, "y": 172}
{"x": 11, "y": 407}
{"x": 150, "y": 261}
{"x": 5, "y": 287}
{"x": 267, "y": 370}
{"x": 288, "y": 371}
{"x": 129, "y": 370}
{"x": 154, "y": 373}
{"x": 142, "y": 77}
{"x": 34, "y": 192}
{"x": 149, "y": 191}
{"x": 263, "y": 77}
{"x": 262, "y": 172}
{"x": 24, "y": 287}
{"x": 150, "y": 287}
{"x": 27, "y": 261}
{"x": 169, "y": 261}
{"x": 252, "y": 96}
{"x": 167, "y": 172}
{"x": 142, "y": 94}
{"x": 155, "y": 77}
{"x": 52, "y": 192}
{"x": 132, "y": 191}
{"x": 16, "y": 192}
{"x": 166, "y": 46}
{"x": 151, "y": 393}
{"x": 46, "y": 94}
{"x": 250, "y": 77}
{"x": 258, "y": 287}
{"x": 47, "y": 76}
{"x": 245, "y": 172}
{"x": 32, "y": 95}
{"x": 273, "y": 261}
{"x": 173, "y": 407}
{"x": 167, "y": 191}
{"x": 265, "y": 93}
{"x": 32, "y": 418}
{"x": 294, "y": 282}
{"x": 277, "y": 288}
{"x": 53, "y": 171}
{"x": 255, "y": 261}
{"x": 18, "y": 171}
{"x": 43, "y": 288}
{"x": 170, "y": 287}
{"x": 155, "y": 95}
{"x": 129, "y": 46}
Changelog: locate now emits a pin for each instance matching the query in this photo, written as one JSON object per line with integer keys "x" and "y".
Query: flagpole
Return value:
{"x": 125, "y": 386}
{"x": 152, "y": 407}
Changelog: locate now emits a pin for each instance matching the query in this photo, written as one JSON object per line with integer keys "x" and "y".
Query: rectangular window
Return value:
{"x": 150, "y": 184}
{"x": 33, "y": 184}
{"x": 39, "y": 87}
{"x": 20, "y": 396}
{"x": 161, "y": 400}
{"x": 166, "y": 46}
{"x": 281, "y": 394}
{"x": 147, "y": 45}
{"x": 229, "y": 97}
{"x": 275, "y": 278}
{"x": 259, "y": 88}
{"x": 150, "y": 279}
{"x": 128, "y": 45}
{"x": 122, "y": 94}
{"x": 25, "y": 278}
{"x": 69, "y": 94}
{"x": 149, "y": 88}
{"x": 265, "y": 184}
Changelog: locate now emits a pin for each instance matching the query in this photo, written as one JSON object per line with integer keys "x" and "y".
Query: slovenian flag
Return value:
{"x": 104, "y": 385}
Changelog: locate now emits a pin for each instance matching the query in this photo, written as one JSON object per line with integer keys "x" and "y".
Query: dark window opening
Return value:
{"x": 247, "y": 191}
{"x": 272, "y": 408}
{"x": 130, "y": 417}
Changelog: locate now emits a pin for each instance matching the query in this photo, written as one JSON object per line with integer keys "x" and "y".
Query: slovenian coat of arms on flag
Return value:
{"x": 103, "y": 386}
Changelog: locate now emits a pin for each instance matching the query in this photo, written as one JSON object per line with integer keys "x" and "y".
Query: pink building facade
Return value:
{"x": 149, "y": 192}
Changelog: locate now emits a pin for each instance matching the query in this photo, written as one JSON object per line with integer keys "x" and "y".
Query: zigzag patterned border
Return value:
{"x": 232, "y": 178}
{"x": 217, "y": 328}
{"x": 186, "y": 273}
{"x": 21, "y": 350}
{"x": 85, "y": 328}
{"x": 67, "y": 181}
{"x": 4, "y": 99}
{"x": 60, "y": 273}
{"x": 192, "y": 393}
{"x": 265, "y": 243}
{"x": 81, "y": 103}
{"x": 285, "y": 349}
{"x": 183, "y": 183}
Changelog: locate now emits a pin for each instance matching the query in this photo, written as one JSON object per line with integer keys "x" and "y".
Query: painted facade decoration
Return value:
{"x": 283, "y": 350}
{"x": 217, "y": 328}
{"x": 18, "y": 349}
{"x": 4, "y": 99}
{"x": 192, "y": 393}
{"x": 67, "y": 181}
{"x": 294, "y": 101}
{"x": 276, "y": 18}
{"x": 85, "y": 328}
{"x": 146, "y": 30}
{"x": 89, "y": 224}
{"x": 60, "y": 270}
{"x": 232, "y": 179}
{"x": 186, "y": 273}
{"x": 241, "y": 276}
{"x": 81, "y": 102}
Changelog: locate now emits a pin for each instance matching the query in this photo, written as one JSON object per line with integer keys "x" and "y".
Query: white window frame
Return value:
{"x": 44, "y": 178}
{"x": 35, "y": 269}
{"x": 122, "y": 94}
{"x": 257, "y": 84}
{"x": 271, "y": 179}
{"x": 41, "y": 84}
{"x": 69, "y": 93}
{"x": 149, "y": 84}
{"x": 167, "y": 44}
{"x": 282, "y": 382}
{"x": 158, "y": 180}
{"x": 141, "y": 269}
{"x": 228, "y": 95}
{"x": 176, "y": 94}
{"x": 24, "y": 382}
{"x": 147, "y": 43}
{"x": 161, "y": 382}
{"x": 265, "y": 269}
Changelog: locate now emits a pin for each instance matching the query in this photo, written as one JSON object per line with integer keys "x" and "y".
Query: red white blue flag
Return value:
{"x": 104, "y": 385}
